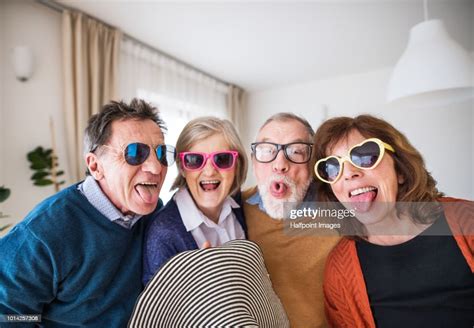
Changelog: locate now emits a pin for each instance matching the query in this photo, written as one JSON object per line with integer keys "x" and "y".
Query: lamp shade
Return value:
{"x": 22, "y": 58}
{"x": 433, "y": 69}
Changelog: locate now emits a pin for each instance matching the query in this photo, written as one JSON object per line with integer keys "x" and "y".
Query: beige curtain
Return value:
{"x": 90, "y": 65}
{"x": 236, "y": 107}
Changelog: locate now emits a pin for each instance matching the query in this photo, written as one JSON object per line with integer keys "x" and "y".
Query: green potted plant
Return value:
{"x": 44, "y": 163}
{"x": 4, "y": 194}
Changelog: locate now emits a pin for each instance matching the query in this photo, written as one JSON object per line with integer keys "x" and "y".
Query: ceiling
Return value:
{"x": 259, "y": 45}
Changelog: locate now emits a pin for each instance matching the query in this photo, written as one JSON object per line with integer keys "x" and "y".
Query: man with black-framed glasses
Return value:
{"x": 281, "y": 157}
{"x": 75, "y": 260}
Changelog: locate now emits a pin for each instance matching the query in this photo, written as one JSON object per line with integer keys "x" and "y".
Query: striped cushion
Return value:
{"x": 225, "y": 286}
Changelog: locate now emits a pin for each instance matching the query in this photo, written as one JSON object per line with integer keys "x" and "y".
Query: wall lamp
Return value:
{"x": 22, "y": 58}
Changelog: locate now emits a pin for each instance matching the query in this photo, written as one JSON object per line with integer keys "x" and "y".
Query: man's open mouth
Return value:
{"x": 278, "y": 189}
{"x": 148, "y": 191}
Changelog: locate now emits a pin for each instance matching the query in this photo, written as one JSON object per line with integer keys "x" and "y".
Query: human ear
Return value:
{"x": 94, "y": 166}
{"x": 401, "y": 179}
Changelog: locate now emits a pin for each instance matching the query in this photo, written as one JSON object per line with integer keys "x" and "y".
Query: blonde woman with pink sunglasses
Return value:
{"x": 205, "y": 210}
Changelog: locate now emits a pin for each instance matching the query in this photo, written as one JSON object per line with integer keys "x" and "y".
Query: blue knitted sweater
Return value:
{"x": 71, "y": 264}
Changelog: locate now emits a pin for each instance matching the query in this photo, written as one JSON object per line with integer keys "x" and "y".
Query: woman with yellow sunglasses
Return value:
{"x": 408, "y": 261}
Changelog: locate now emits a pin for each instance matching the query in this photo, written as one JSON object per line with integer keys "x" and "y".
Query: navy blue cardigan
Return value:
{"x": 166, "y": 236}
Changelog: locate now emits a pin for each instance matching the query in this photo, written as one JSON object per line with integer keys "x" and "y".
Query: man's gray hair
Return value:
{"x": 99, "y": 127}
{"x": 286, "y": 116}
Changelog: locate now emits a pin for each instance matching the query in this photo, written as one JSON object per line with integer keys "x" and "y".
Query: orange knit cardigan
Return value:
{"x": 345, "y": 294}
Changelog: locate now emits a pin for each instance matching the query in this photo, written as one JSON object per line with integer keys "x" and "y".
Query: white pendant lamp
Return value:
{"x": 434, "y": 70}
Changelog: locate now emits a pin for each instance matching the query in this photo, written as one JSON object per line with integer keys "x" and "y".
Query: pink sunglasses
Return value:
{"x": 221, "y": 160}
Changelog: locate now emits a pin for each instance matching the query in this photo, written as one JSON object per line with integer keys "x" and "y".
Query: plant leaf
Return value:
{"x": 43, "y": 182}
{"x": 39, "y": 175}
{"x": 34, "y": 157}
{"x": 4, "y": 193}
{"x": 38, "y": 166}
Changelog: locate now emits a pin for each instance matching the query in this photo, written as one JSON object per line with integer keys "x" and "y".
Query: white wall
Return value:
{"x": 444, "y": 136}
{"x": 2, "y": 137}
{"x": 27, "y": 106}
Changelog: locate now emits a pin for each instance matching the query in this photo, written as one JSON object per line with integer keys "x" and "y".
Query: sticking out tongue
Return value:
{"x": 149, "y": 194}
{"x": 278, "y": 189}
{"x": 362, "y": 202}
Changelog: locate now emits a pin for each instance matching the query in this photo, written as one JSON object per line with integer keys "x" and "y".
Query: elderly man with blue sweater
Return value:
{"x": 76, "y": 258}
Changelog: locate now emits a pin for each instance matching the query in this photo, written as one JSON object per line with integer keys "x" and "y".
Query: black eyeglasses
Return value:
{"x": 295, "y": 152}
{"x": 136, "y": 153}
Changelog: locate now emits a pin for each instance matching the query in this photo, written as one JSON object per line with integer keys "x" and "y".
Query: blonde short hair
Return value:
{"x": 202, "y": 128}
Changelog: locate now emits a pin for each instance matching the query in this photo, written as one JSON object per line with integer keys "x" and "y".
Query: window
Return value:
{"x": 176, "y": 115}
